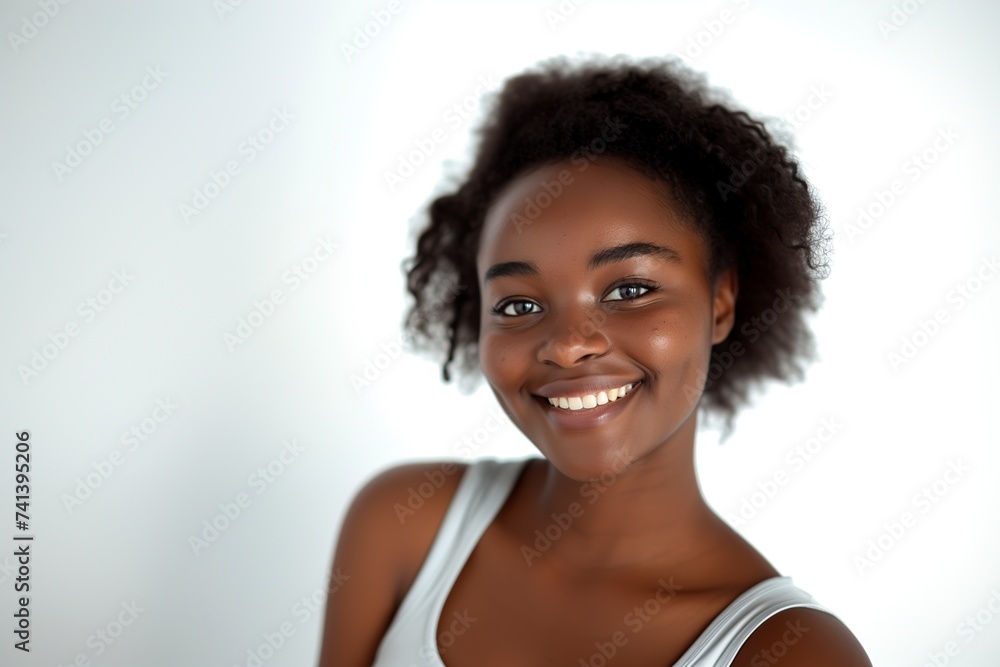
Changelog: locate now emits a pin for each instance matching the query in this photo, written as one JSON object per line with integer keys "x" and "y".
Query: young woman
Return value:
{"x": 618, "y": 244}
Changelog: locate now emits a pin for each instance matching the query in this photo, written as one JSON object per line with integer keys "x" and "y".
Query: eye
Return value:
{"x": 514, "y": 308}
{"x": 629, "y": 292}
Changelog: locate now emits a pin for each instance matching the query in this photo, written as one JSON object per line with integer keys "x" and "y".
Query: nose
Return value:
{"x": 574, "y": 337}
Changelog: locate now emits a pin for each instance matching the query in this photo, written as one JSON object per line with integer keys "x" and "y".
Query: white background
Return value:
{"x": 163, "y": 335}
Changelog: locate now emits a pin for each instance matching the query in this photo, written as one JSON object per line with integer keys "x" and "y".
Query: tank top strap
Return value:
{"x": 482, "y": 491}
{"x": 726, "y": 634}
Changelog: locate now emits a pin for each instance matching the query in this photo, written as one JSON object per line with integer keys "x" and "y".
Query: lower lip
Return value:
{"x": 576, "y": 420}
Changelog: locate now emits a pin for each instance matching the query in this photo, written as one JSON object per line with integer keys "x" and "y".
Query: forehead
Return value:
{"x": 563, "y": 208}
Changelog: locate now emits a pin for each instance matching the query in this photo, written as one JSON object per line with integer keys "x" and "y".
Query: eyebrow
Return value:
{"x": 611, "y": 255}
{"x": 629, "y": 250}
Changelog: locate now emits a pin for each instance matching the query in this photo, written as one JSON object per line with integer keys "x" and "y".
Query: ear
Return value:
{"x": 724, "y": 304}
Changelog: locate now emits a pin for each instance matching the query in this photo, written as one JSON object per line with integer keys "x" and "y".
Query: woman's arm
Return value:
{"x": 379, "y": 552}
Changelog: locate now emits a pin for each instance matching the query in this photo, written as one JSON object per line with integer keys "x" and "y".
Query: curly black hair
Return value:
{"x": 737, "y": 183}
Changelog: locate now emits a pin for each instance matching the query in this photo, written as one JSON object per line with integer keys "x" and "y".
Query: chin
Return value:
{"x": 584, "y": 462}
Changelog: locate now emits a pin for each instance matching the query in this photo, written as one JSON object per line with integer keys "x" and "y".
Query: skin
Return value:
{"x": 642, "y": 528}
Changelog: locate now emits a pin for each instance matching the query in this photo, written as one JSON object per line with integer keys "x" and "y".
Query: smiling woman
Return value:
{"x": 617, "y": 284}
{"x": 604, "y": 252}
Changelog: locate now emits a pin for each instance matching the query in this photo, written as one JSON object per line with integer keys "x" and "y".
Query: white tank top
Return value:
{"x": 410, "y": 642}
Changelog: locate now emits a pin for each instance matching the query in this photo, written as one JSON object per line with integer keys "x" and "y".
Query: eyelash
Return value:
{"x": 632, "y": 282}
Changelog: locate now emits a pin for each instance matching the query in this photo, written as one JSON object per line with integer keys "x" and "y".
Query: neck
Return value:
{"x": 650, "y": 513}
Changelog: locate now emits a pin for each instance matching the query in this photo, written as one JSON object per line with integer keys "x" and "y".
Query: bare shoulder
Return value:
{"x": 804, "y": 637}
{"x": 384, "y": 538}
{"x": 405, "y": 504}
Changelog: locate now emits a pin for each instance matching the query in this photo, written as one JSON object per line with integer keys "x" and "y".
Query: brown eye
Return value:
{"x": 628, "y": 292}
{"x": 515, "y": 308}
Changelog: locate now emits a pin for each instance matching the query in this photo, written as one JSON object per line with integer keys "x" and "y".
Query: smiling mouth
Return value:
{"x": 590, "y": 401}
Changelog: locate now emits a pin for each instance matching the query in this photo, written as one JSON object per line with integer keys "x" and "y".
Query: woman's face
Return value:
{"x": 591, "y": 281}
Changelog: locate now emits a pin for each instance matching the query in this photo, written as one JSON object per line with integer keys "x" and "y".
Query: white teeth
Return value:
{"x": 590, "y": 400}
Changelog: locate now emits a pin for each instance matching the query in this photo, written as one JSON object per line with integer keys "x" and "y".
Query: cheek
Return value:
{"x": 679, "y": 348}
{"x": 500, "y": 357}
{"x": 677, "y": 337}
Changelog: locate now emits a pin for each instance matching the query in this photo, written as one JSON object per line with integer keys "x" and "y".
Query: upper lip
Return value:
{"x": 593, "y": 384}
